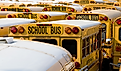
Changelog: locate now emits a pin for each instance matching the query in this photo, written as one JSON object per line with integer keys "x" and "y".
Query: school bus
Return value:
{"x": 3, "y": 14}
{"x": 106, "y": 17}
{"x": 117, "y": 41}
{"x": 20, "y": 5}
{"x": 11, "y": 4}
{"x": 84, "y": 2}
{"x": 90, "y": 7}
{"x": 117, "y": 4}
{"x": 39, "y": 16}
{"x": 6, "y": 3}
{"x": 6, "y": 22}
{"x": 63, "y": 8}
{"x": 80, "y": 37}
{"x": 13, "y": 51}
{"x": 22, "y": 9}
{"x": 23, "y": 5}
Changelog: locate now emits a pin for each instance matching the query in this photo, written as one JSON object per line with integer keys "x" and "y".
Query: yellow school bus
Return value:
{"x": 7, "y": 22}
{"x": 82, "y": 38}
{"x": 39, "y": 16}
{"x": 13, "y": 4}
{"x": 90, "y": 7}
{"x": 6, "y": 3}
{"x": 84, "y": 2}
{"x": 116, "y": 41}
{"x": 20, "y": 5}
{"x": 22, "y": 9}
{"x": 106, "y": 17}
{"x": 63, "y": 8}
{"x": 3, "y": 14}
{"x": 117, "y": 4}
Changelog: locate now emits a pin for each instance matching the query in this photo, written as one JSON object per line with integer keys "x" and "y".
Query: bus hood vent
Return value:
{"x": 6, "y": 39}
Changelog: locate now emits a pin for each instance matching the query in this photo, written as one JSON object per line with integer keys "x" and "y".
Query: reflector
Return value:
{"x": 105, "y": 18}
{"x": 77, "y": 65}
{"x": 20, "y": 29}
{"x": 14, "y": 30}
{"x": 68, "y": 30}
{"x": 9, "y": 16}
{"x": 69, "y": 18}
{"x": 75, "y": 30}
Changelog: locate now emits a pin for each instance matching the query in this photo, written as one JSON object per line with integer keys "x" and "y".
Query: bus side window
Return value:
{"x": 95, "y": 41}
{"x": 98, "y": 41}
{"x": 87, "y": 45}
{"x": 92, "y": 43}
{"x": 83, "y": 48}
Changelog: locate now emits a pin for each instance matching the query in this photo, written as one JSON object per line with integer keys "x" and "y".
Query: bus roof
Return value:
{"x": 54, "y": 13}
{"x": 76, "y": 7}
{"x": 110, "y": 13}
{"x": 99, "y": 1}
{"x": 34, "y": 9}
{"x": 74, "y": 4}
{"x": 14, "y": 21}
{"x": 58, "y": 4}
{"x": 32, "y": 56}
{"x": 6, "y": 12}
{"x": 81, "y": 23}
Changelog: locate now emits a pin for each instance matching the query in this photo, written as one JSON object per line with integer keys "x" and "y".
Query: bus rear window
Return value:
{"x": 120, "y": 34}
{"x": 71, "y": 46}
